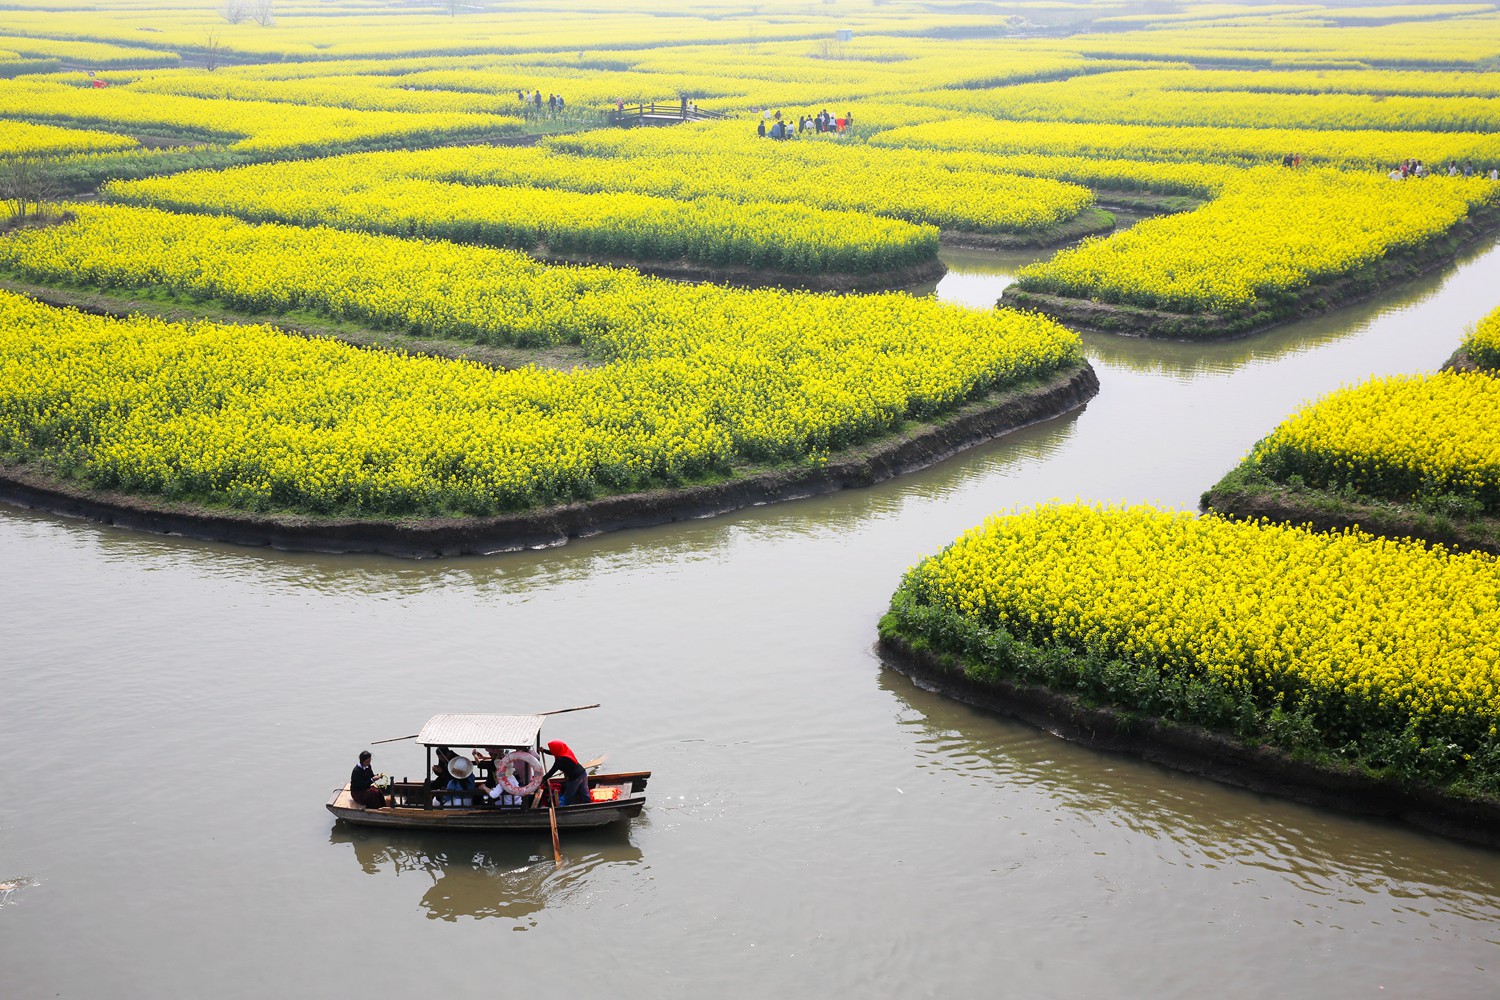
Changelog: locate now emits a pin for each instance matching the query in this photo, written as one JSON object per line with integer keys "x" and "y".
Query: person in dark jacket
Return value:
{"x": 575, "y": 779}
{"x": 362, "y": 784}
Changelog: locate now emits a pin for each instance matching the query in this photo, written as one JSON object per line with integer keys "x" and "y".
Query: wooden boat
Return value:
{"x": 410, "y": 804}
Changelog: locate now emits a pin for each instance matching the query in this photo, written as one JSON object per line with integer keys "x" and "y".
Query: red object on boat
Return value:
{"x": 604, "y": 794}
{"x": 560, "y": 749}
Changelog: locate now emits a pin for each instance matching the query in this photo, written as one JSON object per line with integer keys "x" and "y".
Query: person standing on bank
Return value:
{"x": 362, "y": 784}
{"x": 575, "y": 779}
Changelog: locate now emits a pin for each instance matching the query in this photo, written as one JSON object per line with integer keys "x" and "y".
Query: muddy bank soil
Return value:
{"x": 1325, "y": 511}
{"x": 1197, "y": 751}
{"x": 915, "y": 447}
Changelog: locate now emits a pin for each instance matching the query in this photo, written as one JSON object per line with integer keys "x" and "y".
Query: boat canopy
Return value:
{"x": 481, "y": 731}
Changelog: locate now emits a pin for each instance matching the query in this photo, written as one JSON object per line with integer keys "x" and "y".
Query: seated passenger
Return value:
{"x": 496, "y": 795}
{"x": 362, "y": 784}
{"x": 461, "y": 779}
{"x": 485, "y": 761}
{"x": 440, "y": 774}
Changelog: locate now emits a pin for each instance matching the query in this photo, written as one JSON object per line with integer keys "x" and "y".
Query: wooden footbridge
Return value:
{"x": 630, "y": 115}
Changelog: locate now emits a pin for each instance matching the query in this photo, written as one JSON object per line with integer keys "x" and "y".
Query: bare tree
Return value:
{"x": 233, "y": 11}
{"x": 27, "y": 186}
{"x": 213, "y": 50}
{"x": 260, "y": 12}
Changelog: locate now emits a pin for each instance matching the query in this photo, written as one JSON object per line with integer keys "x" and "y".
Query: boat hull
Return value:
{"x": 629, "y": 805}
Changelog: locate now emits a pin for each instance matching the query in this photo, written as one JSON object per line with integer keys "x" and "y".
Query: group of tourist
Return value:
{"x": 1466, "y": 169}
{"x": 1417, "y": 169}
{"x": 533, "y": 101}
{"x": 454, "y": 784}
{"x": 1414, "y": 168}
{"x": 1408, "y": 168}
{"x": 780, "y": 128}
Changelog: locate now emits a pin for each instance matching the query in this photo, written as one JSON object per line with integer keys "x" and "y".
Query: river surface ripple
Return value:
{"x": 178, "y": 712}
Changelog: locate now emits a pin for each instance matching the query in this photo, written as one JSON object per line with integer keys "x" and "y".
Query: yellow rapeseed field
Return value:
{"x": 1272, "y": 231}
{"x": 826, "y": 201}
{"x": 387, "y": 194}
{"x": 25, "y": 139}
{"x": 1239, "y": 145}
{"x": 1387, "y": 647}
{"x": 1256, "y": 41}
{"x": 1400, "y": 437}
{"x": 1182, "y": 97}
{"x": 943, "y": 189}
{"x": 698, "y": 379}
{"x": 251, "y": 126}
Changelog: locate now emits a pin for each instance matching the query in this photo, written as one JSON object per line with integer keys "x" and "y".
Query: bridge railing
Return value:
{"x": 660, "y": 110}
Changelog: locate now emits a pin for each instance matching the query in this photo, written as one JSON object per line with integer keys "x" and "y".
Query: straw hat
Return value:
{"x": 460, "y": 767}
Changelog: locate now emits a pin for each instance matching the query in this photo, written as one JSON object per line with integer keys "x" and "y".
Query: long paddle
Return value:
{"x": 552, "y": 814}
{"x": 564, "y": 711}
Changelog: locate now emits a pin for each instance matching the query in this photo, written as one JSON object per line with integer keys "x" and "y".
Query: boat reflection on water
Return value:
{"x": 462, "y": 875}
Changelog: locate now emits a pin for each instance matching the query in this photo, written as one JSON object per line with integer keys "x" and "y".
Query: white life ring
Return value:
{"x": 506, "y": 767}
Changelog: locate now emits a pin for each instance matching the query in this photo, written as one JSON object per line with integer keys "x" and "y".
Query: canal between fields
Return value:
{"x": 178, "y": 712}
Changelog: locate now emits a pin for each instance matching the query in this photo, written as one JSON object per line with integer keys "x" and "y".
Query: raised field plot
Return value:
{"x": 698, "y": 379}
{"x": 1377, "y": 651}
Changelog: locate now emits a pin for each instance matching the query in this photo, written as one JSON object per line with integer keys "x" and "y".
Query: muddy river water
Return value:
{"x": 176, "y": 714}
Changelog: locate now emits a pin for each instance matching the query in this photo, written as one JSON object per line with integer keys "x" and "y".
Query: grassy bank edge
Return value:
{"x": 1277, "y": 761}
{"x": 1245, "y": 493}
{"x": 1092, "y": 221}
{"x": 1147, "y": 202}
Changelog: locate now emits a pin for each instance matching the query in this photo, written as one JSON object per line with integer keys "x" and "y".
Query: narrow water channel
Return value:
{"x": 177, "y": 712}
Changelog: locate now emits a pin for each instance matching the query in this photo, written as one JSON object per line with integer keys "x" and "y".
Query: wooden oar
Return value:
{"x": 591, "y": 765}
{"x": 396, "y": 739}
{"x": 552, "y": 813}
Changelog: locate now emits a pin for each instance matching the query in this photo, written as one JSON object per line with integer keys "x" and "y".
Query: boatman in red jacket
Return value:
{"x": 575, "y": 779}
